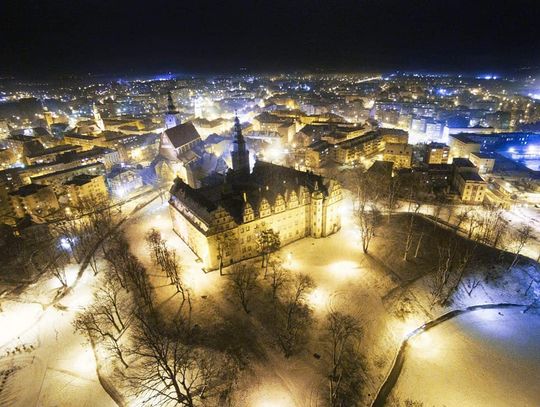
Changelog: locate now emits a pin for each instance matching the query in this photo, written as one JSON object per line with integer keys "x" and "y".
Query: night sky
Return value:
{"x": 44, "y": 38}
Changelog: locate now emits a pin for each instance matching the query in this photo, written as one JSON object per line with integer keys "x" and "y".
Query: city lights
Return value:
{"x": 270, "y": 205}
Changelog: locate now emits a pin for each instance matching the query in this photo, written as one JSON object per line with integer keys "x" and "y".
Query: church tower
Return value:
{"x": 239, "y": 153}
{"x": 97, "y": 117}
{"x": 171, "y": 117}
{"x": 48, "y": 117}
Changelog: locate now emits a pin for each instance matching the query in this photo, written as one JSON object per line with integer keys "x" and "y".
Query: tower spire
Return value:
{"x": 170, "y": 104}
{"x": 171, "y": 118}
{"x": 239, "y": 153}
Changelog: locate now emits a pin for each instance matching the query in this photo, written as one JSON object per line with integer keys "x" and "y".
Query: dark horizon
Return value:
{"x": 140, "y": 38}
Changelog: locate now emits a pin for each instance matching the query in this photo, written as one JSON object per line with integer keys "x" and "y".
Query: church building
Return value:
{"x": 220, "y": 223}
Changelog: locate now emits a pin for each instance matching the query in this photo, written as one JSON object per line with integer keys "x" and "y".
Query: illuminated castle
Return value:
{"x": 220, "y": 222}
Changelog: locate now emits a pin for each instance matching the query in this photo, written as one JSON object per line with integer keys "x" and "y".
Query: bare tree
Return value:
{"x": 442, "y": 274}
{"x": 294, "y": 315}
{"x": 410, "y": 231}
{"x": 93, "y": 262}
{"x": 366, "y": 213}
{"x": 56, "y": 262}
{"x": 392, "y": 193}
{"x": 475, "y": 222}
{"x": 454, "y": 256}
{"x": 438, "y": 204}
{"x": 76, "y": 234}
{"x": 58, "y": 270}
{"x": 342, "y": 333}
{"x": 519, "y": 237}
{"x": 156, "y": 245}
{"x": 459, "y": 267}
{"x": 169, "y": 263}
{"x": 107, "y": 318}
{"x": 419, "y": 242}
{"x": 279, "y": 277}
{"x": 225, "y": 245}
{"x": 172, "y": 269}
{"x": 243, "y": 282}
{"x": 165, "y": 371}
{"x": 116, "y": 253}
{"x": 101, "y": 217}
{"x": 368, "y": 219}
{"x": 268, "y": 242}
{"x": 470, "y": 284}
{"x": 137, "y": 279}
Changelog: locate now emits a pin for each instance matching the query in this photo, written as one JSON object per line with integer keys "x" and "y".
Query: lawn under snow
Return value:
{"x": 483, "y": 358}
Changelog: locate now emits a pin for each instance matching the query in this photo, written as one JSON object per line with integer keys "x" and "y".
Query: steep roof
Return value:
{"x": 265, "y": 182}
{"x": 182, "y": 134}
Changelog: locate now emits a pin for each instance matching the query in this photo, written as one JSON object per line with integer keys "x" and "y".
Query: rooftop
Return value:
{"x": 266, "y": 181}
{"x": 81, "y": 179}
{"x": 484, "y": 155}
{"x": 462, "y": 163}
{"x": 182, "y": 134}
{"x": 462, "y": 138}
{"x": 28, "y": 190}
{"x": 471, "y": 176}
{"x": 55, "y": 149}
{"x": 80, "y": 167}
{"x": 436, "y": 145}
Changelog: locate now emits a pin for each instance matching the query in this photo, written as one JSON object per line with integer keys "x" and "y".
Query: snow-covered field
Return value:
{"x": 43, "y": 362}
{"x": 483, "y": 358}
{"x": 53, "y": 366}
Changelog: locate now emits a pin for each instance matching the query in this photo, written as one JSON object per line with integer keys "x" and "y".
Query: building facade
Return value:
{"x": 85, "y": 190}
{"x": 466, "y": 181}
{"x": 485, "y": 162}
{"x": 400, "y": 154}
{"x": 462, "y": 146}
{"x": 437, "y": 153}
{"x": 34, "y": 200}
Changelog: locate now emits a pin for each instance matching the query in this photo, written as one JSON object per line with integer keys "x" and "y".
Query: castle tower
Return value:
{"x": 97, "y": 117}
{"x": 239, "y": 153}
{"x": 317, "y": 217}
{"x": 171, "y": 116}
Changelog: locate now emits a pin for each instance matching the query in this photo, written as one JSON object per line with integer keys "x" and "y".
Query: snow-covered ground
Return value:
{"x": 483, "y": 358}
{"x": 44, "y": 362}
{"x": 52, "y": 365}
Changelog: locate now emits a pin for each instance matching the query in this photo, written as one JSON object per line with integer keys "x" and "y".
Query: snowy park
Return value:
{"x": 53, "y": 364}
